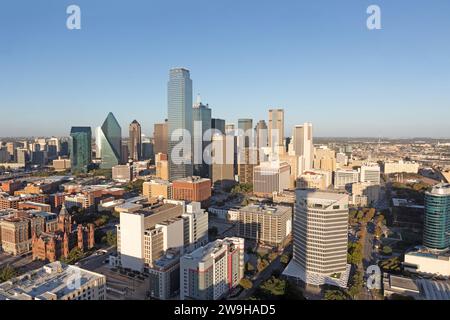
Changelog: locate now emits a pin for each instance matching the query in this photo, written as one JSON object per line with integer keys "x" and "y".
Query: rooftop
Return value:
{"x": 52, "y": 281}
{"x": 267, "y": 209}
{"x": 441, "y": 189}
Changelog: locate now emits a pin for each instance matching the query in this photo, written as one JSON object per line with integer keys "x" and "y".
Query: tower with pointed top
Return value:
{"x": 109, "y": 142}
{"x": 135, "y": 142}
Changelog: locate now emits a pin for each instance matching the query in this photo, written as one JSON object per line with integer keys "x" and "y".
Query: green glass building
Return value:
{"x": 80, "y": 148}
{"x": 436, "y": 233}
{"x": 109, "y": 142}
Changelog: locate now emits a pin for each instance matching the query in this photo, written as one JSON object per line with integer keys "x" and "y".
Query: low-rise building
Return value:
{"x": 165, "y": 276}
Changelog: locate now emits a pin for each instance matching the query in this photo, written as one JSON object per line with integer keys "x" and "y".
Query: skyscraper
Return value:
{"x": 276, "y": 128}
{"x": 109, "y": 142}
{"x": 179, "y": 97}
{"x": 80, "y": 145}
{"x": 135, "y": 147}
{"x": 436, "y": 233}
{"x": 320, "y": 238}
{"x": 218, "y": 124}
{"x": 160, "y": 137}
{"x": 245, "y": 127}
{"x": 304, "y": 147}
{"x": 202, "y": 122}
{"x": 262, "y": 138}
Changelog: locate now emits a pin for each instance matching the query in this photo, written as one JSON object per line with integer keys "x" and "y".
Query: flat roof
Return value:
{"x": 266, "y": 209}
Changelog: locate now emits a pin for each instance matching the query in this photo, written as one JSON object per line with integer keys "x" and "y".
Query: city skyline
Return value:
{"x": 331, "y": 65}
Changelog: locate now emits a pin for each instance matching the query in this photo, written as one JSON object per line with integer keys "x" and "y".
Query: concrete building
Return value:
{"x": 324, "y": 159}
{"x": 345, "y": 177}
{"x": 400, "y": 167}
{"x": 247, "y": 160}
{"x": 276, "y": 129}
{"x": 210, "y": 272}
{"x": 122, "y": 173}
{"x": 320, "y": 239}
{"x": 303, "y": 146}
{"x": 222, "y": 166}
{"x": 427, "y": 262}
{"x": 165, "y": 276}
{"x": 159, "y": 189}
{"x": 162, "y": 166}
{"x": 368, "y": 190}
{"x": 160, "y": 137}
{"x": 61, "y": 164}
{"x": 269, "y": 177}
{"x": 371, "y": 172}
{"x": 55, "y": 281}
{"x": 314, "y": 179}
{"x": 270, "y": 225}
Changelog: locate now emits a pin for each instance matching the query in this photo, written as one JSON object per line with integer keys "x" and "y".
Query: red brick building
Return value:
{"x": 192, "y": 189}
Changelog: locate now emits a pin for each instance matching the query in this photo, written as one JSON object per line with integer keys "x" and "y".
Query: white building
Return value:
{"x": 371, "y": 172}
{"x": 320, "y": 233}
{"x": 345, "y": 177}
{"x": 55, "y": 281}
{"x": 303, "y": 146}
{"x": 424, "y": 261}
{"x": 209, "y": 272}
{"x": 400, "y": 167}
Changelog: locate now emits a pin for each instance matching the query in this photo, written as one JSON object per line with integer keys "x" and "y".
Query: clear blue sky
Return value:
{"x": 316, "y": 59}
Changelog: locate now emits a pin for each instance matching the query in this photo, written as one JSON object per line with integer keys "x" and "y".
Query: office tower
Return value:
{"x": 222, "y": 164}
{"x": 230, "y": 129}
{"x": 22, "y": 156}
{"x": 270, "y": 177}
{"x": 345, "y": 177}
{"x": 276, "y": 128}
{"x": 324, "y": 159}
{"x": 248, "y": 159}
{"x": 80, "y": 146}
{"x": 245, "y": 135}
{"x": 262, "y": 135}
{"x": 4, "y": 155}
{"x": 320, "y": 238}
{"x": 180, "y": 124}
{"x": 201, "y": 115}
{"x": 196, "y": 226}
{"x": 160, "y": 137}
{"x": 124, "y": 153}
{"x": 192, "y": 189}
{"x": 210, "y": 272}
{"x": 11, "y": 149}
{"x": 55, "y": 281}
{"x": 109, "y": 142}
{"x": 390, "y": 167}
{"x": 314, "y": 179}
{"x": 303, "y": 146}
{"x": 147, "y": 149}
{"x": 371, "y": 172}
{"x": 135, "y": 147}
{"x": 266, "y": 224}
{"x": 157, "y": 189}
{"x": 162, "y": 166}
{"x": 436, "y": 233}
{"x": 122, "y": 173}
{"x": 218, "y": 124}
{"x": 39, "y": 158}
{"x": 64, "y": 148}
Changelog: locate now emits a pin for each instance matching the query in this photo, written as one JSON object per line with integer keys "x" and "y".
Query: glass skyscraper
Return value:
{"x": 109, "y": 142}
{"x": 202, "y": 122}
{"x": 436, "y": 233}
{"x": 179, "y": 107}
{"x": 80, "y": 148}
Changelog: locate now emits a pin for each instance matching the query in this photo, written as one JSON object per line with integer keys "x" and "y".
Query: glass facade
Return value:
{"x": 202, "y": 117}
{"x": 436, "y": 233}
{"x": 179, "y": 104}
{"x": 80, "y": 145}
{"x": 109, "y": 142}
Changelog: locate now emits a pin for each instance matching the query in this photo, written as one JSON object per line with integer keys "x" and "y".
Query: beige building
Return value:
{"x": 366, "y": 189}
{"x": 55, "y": 281}
{"x": 61, "y": 164}
{"x": 269, "y": 177}
{"x": 122, "y": 173}
{"x": 162, "y": 166}
{"x": 276, "y": 128}
{"x": 247, "y": 161}
{"x": 324, "y": 159}
{"x": 400, "y": 167}
{"x": 270, "y": 225}
{"x": 222, "y": 167}
{"x": 160, "y": 189}
{"x": 314, "y": 179}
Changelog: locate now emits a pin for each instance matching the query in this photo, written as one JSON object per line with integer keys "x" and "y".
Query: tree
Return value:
{"x": 387, "y": 251}
{"x": 357, "y": 284}
{"x": 284, "y": 258}
{"x": 111, "y": 238}
{"x": 249, "y": 267}
{"x": 274, "y": 287}
{"x": 246, "y": 283}
{"x": 74, "y": 255}
{"x": 7, "y": 273}
{"x": 335, "y": 295}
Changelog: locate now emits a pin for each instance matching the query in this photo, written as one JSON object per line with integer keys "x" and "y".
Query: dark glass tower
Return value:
{"x": 109, "y": 142}
{"x": 80, "y": 148}
{"x": 202, "y": 122}
{"x": 436, "y": 233}
{"x": 179, "y": 107}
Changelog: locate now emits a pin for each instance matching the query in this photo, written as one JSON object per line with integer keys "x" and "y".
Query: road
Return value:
{"x": 95, "y": 261}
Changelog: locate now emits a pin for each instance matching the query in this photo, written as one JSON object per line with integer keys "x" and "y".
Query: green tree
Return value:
{"x": 6, "y": 273}
{"x": 274, "y": 287}
{"x": 357, "y": 284}
{"x": 335, "y": 295}
{"x": 111, "y": 238}
{"x": 74, "y": 255}
{"x": 284, "y": 258}
{"x": 387, "y": 250}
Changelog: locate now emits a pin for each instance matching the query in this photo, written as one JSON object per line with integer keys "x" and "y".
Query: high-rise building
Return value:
{"x": 210, "y": 272}
{"x": 180, "y": 124}
{"x": 160, "y": 137}
{"x": 345, "y": 177}
{"x": 436, "y": 233}
{"x": 320, "y": 239}
{"x": 201, "y": 115}
{"x": 324, "y": 159}
{"x": 276, "y": 128}
{"x": 245, "y": 126}
{"x": 218, "y": 124}
{"x": 247, "y": 160}
{"x": 80, "y": 149}
{"x": 262, "y": 137}
{"x": 303, "y": 146}
{"x": 109, "y": 142}
{"x": 162, "y": 166}
{"x": 230, "y": 129}
{"x": 270, "y": 177}
{"x": 135, "y": 147}
{"x": 222, "y": 166}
